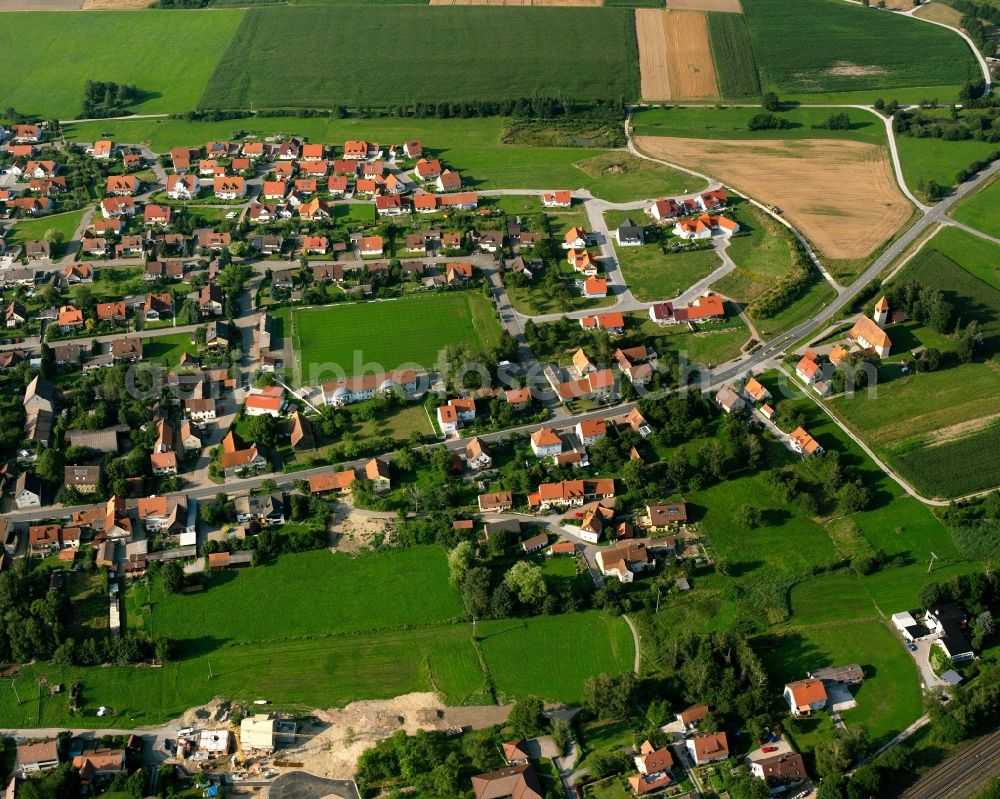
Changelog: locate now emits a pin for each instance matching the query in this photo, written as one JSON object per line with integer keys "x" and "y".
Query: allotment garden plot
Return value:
{"x": 389, "y": 333}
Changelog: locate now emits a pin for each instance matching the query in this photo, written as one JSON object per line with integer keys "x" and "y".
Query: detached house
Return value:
{"x": 182, "y": 187}
{"x": 210, "y": 300}
{"x": 455, "y": 414}
{"x": 805, "y": 696}
{"x": 229, "y": 188}
{"x": 708, "y": 748}
{"x": 268, "y": 510}
{"x": 557, "y": 199}
{"x": 156, "y": 215}
{"x": 546, "y": 443}
{"x": 95, "y": 248}
{"x": 122, "y": 185}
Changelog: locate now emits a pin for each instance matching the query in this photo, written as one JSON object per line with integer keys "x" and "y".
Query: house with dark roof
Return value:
{"x": 513, "y": 782}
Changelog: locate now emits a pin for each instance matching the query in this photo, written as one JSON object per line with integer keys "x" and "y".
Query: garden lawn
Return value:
{"x": 166, "y": 350}
{"x": 50, "y": 55}
{"x": 411, "y": 330}
{"x": 889, "y": 698}
{"x": 653, "y": 275}
{"x": 471, "y": 146}
{"x": 981, "y": 211}
{"x": 564, "y": 651}
{"x": 35, "y": 229}
{"x": 311, "y": 593}
{"x": 714, "y": 122}
{"x": 840, "y": 47}
{"x": 712, "y": 344}
{"x": 929, "y": 159}
{"x": 493, "y": 53}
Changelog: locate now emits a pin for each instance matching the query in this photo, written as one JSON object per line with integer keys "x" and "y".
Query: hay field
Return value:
{"x": 842, "y": 195}
{"x": 675, "y": 58}
{"x": 727, "y": 6}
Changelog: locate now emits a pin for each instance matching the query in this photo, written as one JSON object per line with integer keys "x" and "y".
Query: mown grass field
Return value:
{"x": 34, "y": 229}
{"x": 888, "y": 700}
{"x": 982, "y": 211}
{"x": 316, "y": 630}
{"x": 936, "y": 427}
{"x": 840, "y": 47}
{"x": 472, "y": 146}
{"x": 712, "y": 344}
{"x": 410, "y": 330}
{"x": 48, "y": 56}
{"x": 166, "y": 350}
{"x": 712, "y": 122}
{"x": 937, "y": 159}
{"x": 976, "y": 256}
{"x": 732, "y": 52}
{"x": 351, "y": 591}
{"x": 653, "y": 276}
{"x": 562, "y": 654}
{"x": 464, "y": 54}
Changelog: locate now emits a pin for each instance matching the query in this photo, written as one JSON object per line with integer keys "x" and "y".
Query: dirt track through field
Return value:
{"x": 675, "y": 59}
{"x": 841, "y": 194}
{"x": 566, "y": 3}
{"x": 730, "y": 6}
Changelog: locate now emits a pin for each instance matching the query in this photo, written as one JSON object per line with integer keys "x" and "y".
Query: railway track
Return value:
{"x": 961, "y": 776}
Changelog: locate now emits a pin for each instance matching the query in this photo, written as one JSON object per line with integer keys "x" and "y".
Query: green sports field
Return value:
{"x": 412, "y": 330}
{"x": 438, "y": 53}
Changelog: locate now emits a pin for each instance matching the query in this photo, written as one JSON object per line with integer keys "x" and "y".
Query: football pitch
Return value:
{"x": 380, "y": 336}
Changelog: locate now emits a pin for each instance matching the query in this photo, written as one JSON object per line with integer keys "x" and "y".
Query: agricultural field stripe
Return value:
{"x": 466, "y": 54}
{"x": 732, "y": 52}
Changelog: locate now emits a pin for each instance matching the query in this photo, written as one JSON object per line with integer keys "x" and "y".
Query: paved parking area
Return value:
{"x": 302, "y": 785}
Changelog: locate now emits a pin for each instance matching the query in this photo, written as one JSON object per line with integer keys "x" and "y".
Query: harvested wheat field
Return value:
{"x": 653, "y": 58}
{"x": 842, "y": 195}
{"x": 730, "y": 6}
{"x": 690, "y": 65}
{"x": 41, "y": 5}
{"x": 565, "y": 3}
{"x": 675, "y": 59}
{"x": 115, "y": 4}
